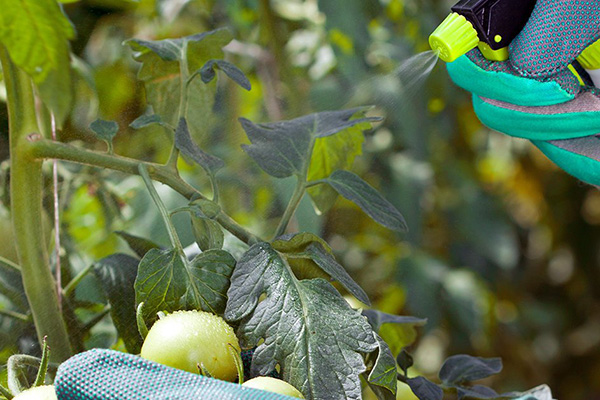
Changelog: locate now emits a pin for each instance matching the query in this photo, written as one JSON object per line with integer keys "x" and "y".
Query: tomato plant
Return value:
{"x": 280, "y": 287}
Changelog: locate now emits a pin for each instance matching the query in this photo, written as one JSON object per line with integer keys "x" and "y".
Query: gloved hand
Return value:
{"x": 107, "y": 374}
{"x": 534, "y": 95}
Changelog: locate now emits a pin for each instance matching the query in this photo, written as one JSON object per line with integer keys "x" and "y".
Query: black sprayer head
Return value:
{"x": 497, "y": 22}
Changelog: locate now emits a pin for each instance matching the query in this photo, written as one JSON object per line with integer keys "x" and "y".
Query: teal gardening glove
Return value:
{"x": 106, "y": 374}
{"x": 535, "y": 95}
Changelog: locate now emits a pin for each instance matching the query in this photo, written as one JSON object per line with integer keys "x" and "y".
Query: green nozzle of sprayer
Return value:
{"x": 590, "y": 57}
{"x": 454, "y": 37}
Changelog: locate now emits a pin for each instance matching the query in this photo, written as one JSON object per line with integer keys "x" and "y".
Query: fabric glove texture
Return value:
{"x": 106, "y": 375}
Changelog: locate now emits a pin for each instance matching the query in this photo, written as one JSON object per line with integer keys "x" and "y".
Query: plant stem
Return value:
{"x": 15, "y": 315}
{"x": 27, "y": 212}
{"x": 163, "y": 210}
{"x": 46, "y": 149}
{"x": 68, "y": 289}
{"x": 10, "y": 264}
{"x": 291, "y": 207}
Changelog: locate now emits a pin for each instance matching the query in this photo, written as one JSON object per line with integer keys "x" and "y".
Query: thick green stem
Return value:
{"x": 26, "y": 204}
{"x": 46, "y": 149}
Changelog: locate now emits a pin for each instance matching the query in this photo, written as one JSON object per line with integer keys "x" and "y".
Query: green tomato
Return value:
{"x": 37, "y": 393}
{"x": 186, "y": 339}
{"x": 273, "y": 385}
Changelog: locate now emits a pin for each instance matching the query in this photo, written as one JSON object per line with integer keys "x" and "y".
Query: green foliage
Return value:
{"x": 283, "y": 149}
{"x": 36, "y": 34}
{"x": 352, "y": 187}
{"x": 167, "y": 281}
{"x": 160, "y": 71}
{"x": 314, "y": 353}
{"x": 117, "y": 275}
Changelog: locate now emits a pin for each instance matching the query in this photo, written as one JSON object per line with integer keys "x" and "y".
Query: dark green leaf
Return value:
{"x": 145, "y": 120}
{"x": 314, "y": 250}
{"x": 36, "y": 34}
{"x": 397, "y": 330}
{"x": 404, "y": 360}
{"x": 383, "y": 375}
{"x": 425, "y": 389}
{"x": 162, "y": 80}
{"x": 208, "y": 233}
{"x": 117, "y": 274}
{"x": 11, "y": 285}
{"x": 160, "y": 283}
{"x": 208, "y": 73}
{"x": 209, "y": 280}
{"x": 353, "y": 188}
{"x": 282, "y": 149}
{"x": 166, "y": 281}
{"x": 104, "y": 130}
{"x": 377, "y": 318}
{"x": 139, "y": 245}
{"x": 464, "y": 368}
{"x": 185, "y": 144}
{"x": 327, "y": 263}
{"x": 320, "y": 350}
{"x": 476, "y": 392}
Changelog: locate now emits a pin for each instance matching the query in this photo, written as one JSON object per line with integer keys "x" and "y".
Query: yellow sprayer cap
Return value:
{"x": 590, "y": 57}
{"x": 454, "y": 37}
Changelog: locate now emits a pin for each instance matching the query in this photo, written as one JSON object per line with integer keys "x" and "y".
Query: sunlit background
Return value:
{"x": 502, "y": 253}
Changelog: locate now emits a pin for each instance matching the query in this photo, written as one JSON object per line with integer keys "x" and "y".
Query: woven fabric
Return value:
{"x": 110, "y": 375}
{"x": 557, "y": 32}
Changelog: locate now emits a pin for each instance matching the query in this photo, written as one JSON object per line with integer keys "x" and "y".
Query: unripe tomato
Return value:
{"x": 186, "y": 339}
{"x": 37, "y": 393}
{"x": 273, "y": 385}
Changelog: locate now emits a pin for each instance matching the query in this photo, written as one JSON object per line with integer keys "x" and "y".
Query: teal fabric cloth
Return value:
{"x": 534, "y": 95}
{"x": 106, "y": 374}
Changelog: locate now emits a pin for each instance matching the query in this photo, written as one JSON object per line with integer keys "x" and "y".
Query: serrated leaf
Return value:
{"x": 185, "y": 144}
{"x": 117, "y": 275}
{"x": 282, "y": 149}
{"x": 397, "y": 330}
{"x": 145, "y": 120}
{"x": 104, "y": 130}
{"x": 36, "y": 34}
{"x": 161, "y": 76}
{"x": 11, "y": 285}
{"x": 424, "y": 389}
{"x": 207, "y": 73}
{"x": 383, "y": 376}
{"x": 307, "y": 327}
{"x": 353, "y": 188}
{"x": 208, "y": 233}
{"x": 166, "y": 281}
{"x": 314, "y": 250}
{"x": 139, "y": 245}
{"x": 330, "y": 154}
{"x": 464, "y": 368}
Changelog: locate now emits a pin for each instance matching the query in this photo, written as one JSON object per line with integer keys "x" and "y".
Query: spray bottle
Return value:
{"x": 488, "y": 24}
{"x": 492, "y": 25}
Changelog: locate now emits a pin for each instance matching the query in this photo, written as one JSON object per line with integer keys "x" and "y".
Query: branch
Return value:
{"x": 47, "y": 149}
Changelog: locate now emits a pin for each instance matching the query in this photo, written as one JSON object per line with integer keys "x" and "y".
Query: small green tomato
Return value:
{"x": 186, "y": 339}
{"x": 45, "y": 392}
{"x": 273, "y": 385}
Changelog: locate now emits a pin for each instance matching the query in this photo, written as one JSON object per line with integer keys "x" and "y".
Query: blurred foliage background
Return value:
{"x": 502, "y": 254}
